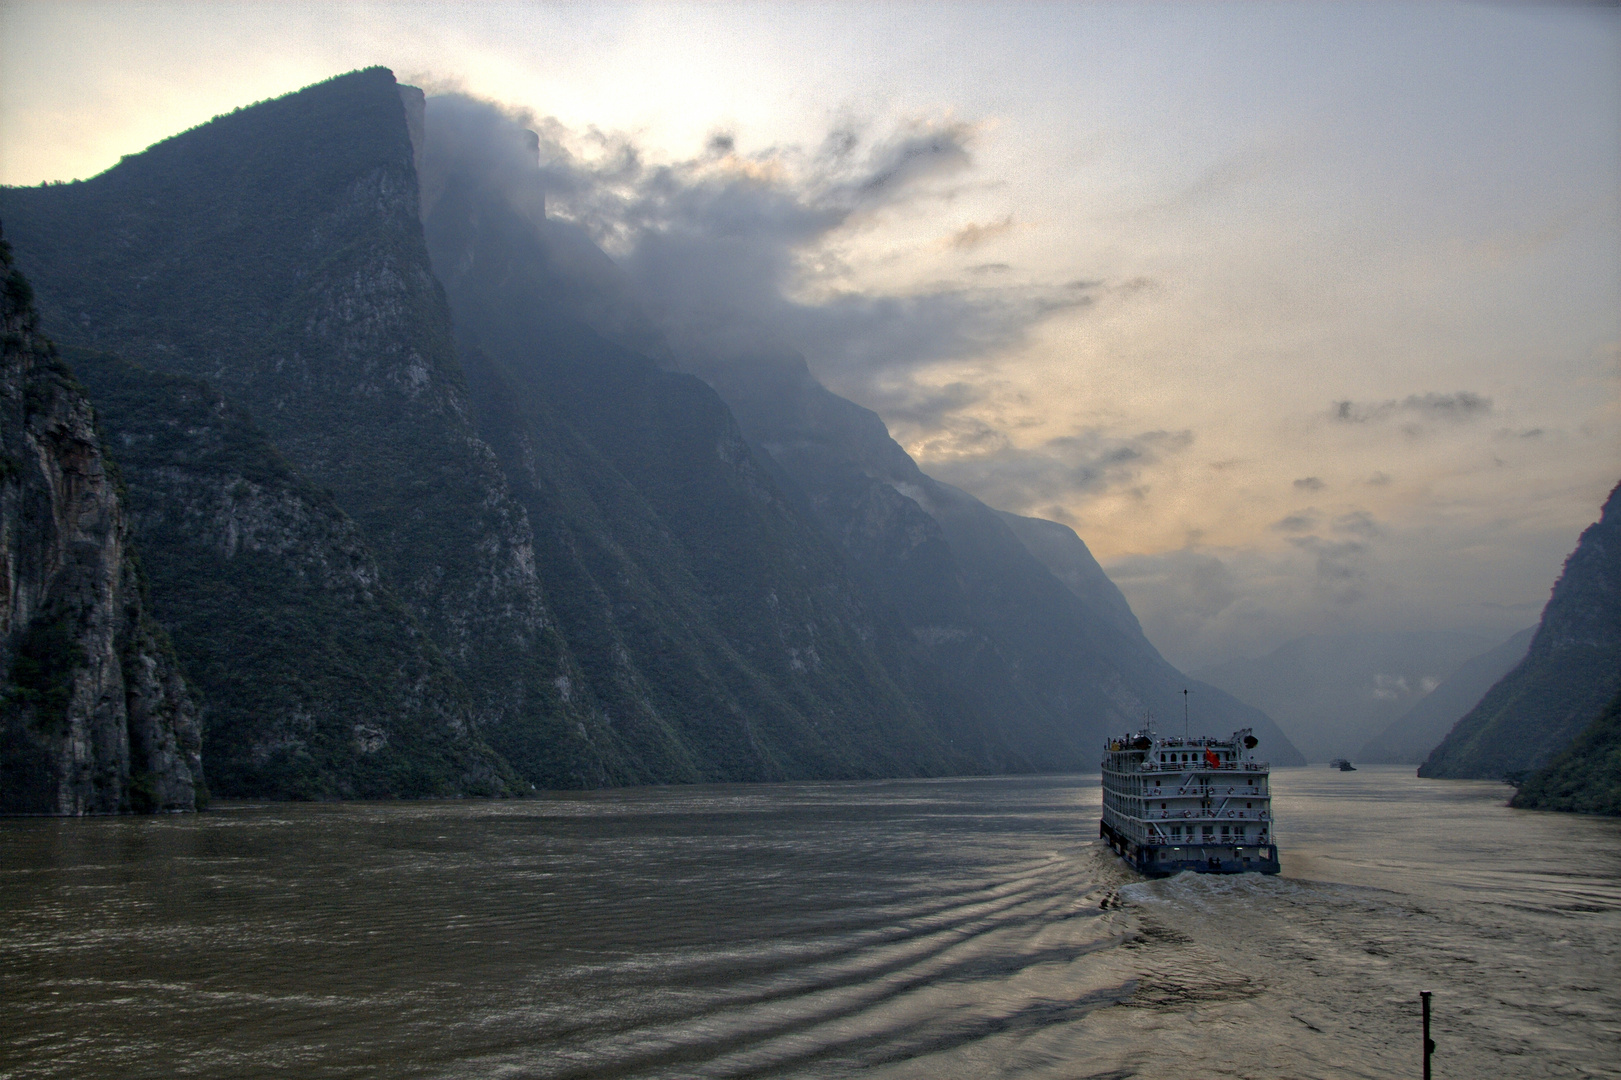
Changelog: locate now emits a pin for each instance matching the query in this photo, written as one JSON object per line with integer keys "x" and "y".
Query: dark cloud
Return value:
{"x": 975, "y": 456}
{"x": 1461, "y": 406}
{"x": 722, "y": 250}
{"x": 1357, "y": 523}
{"x": 1309, "y": 483}
{"x": 1305, "y": 521}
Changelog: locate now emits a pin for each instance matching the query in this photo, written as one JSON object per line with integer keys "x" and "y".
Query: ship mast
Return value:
{"x": 1184, "y": 715}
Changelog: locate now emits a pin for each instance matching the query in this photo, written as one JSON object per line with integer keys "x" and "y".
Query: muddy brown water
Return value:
{"x": 927, "y": 929}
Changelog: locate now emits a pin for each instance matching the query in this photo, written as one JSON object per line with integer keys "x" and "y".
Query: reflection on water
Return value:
{"x": 936, "y": 928}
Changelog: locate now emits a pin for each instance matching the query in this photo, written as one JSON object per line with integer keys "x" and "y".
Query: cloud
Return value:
{"x": 973, "y": 455}
{"x": 1309, "y": 483}
{"x": 972, "y": 235}
{"x": 1305, "y": 521}
{"x": 1357, "y": 523}
{"x": 1341, "y": 567}
{"x": 736, "y": 254}
{"x": 1460, "y": 407}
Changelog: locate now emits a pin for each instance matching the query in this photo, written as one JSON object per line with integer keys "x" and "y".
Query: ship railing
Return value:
{"x": 1201, "y": 765}
{"x": 1208, "y": 791}
{"x": 1208, "y": 815}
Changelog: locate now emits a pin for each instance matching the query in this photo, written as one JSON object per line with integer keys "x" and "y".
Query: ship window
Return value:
{"x": 1162, "y": 806}
{"x": 1210, "y": 830}
{"x": 1249, "y": 806}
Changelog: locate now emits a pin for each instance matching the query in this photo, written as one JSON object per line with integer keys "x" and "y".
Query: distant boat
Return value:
{"x": 1342, "y": 765}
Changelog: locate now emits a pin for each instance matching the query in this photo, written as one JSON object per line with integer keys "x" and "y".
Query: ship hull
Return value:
{"x": 1164, "y": 860}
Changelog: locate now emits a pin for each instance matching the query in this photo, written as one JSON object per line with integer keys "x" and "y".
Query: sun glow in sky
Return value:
{"x": 1303, "y": 316}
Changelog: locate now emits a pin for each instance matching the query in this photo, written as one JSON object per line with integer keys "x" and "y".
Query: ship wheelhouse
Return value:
{"x": 1174, "y": 804}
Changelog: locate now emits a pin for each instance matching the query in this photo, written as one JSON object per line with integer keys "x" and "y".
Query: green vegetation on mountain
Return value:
{"x": 277, "y": 253}
{"x": 1572, "y": 671}
{"x": 317, "y": 683}
{"x": 1586, "y": 778}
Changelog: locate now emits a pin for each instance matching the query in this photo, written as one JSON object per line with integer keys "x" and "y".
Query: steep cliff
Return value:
{"x": 318, "y": 683}
{"x": 277, "y": 253}
{"x": 1572, "y": 671}
{"x": 95, "y": 717}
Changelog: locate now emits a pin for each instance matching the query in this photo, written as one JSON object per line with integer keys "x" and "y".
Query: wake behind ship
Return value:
{"x": 1188, "y": 804}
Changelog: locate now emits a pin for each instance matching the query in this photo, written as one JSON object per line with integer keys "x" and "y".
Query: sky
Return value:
{"x": 1306, "y": 318}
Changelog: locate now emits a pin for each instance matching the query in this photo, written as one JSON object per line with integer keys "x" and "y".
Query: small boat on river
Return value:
{"x": 1198, "y": 804}
{"x": 1342, "y": 765}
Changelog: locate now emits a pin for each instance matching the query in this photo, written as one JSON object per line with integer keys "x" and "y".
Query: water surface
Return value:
{"x": 940, "y": 928}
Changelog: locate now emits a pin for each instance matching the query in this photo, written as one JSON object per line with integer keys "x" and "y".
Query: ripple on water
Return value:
{"x": 957, "y": 928}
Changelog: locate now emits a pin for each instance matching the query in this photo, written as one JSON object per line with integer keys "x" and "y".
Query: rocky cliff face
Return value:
{"x": 94, "y": 714}
{"x": 318, "y": 683}
{"x": 277, "y": 253}
{"x": 1572, "y": 671}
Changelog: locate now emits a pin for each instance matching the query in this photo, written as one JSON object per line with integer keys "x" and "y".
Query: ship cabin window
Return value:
{"x": 1249, "y": 806}
{"x": 1210, "y": 830}
{"x": 1176, "y": 831}
{"x": 1224, "y": 832}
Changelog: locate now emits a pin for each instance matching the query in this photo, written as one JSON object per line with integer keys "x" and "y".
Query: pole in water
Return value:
{"x": 1429, "y": 1043}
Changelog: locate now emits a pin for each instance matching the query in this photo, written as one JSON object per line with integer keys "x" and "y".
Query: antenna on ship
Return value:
{"x": 1184, "y": 714}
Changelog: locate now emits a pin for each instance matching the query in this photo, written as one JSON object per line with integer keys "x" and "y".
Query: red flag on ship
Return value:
{"x": 1211, "y": 759}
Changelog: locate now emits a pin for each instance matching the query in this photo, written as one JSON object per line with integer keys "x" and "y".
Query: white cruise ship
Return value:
{"x": 1188, "y": 804}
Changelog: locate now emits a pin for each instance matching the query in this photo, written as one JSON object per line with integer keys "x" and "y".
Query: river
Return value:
{"x": 928, "y": 929}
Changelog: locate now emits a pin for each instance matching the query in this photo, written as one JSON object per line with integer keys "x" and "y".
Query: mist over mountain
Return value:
{"x": 963, "y": 611}
{"x": 1331, "y": 693}
{"x": 438, "y": 498}
{"x": 1411, "y": 737}
{"x": 1566, "y": 680}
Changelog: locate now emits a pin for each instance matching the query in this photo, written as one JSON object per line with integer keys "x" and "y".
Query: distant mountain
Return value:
{"x": 316, "y": 682}
{"x": 1331, "y": 693}
{"x": 1570, "y": 674}
{"x": 1586, "y": 777}
{"x": 1049, "y": 667}
{"x": 1066, "y": 555}
{"x": 95, "y": 715}
{"x": 1410, "y": 739}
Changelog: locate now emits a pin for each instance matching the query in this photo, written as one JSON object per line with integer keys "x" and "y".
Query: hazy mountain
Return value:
{"x": 712, "y": 620}
{"x": 1410, "y": 739}
{"x": 1586, "y": 777}
{"x": 316, "y": 682}
{"x": 95, "y": 716}
{"x": 1331, "y": 693}
{"x": 1066, "y": 555}
{"x": 1049, "y": 668}
{"x": 1572, "y": 671}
